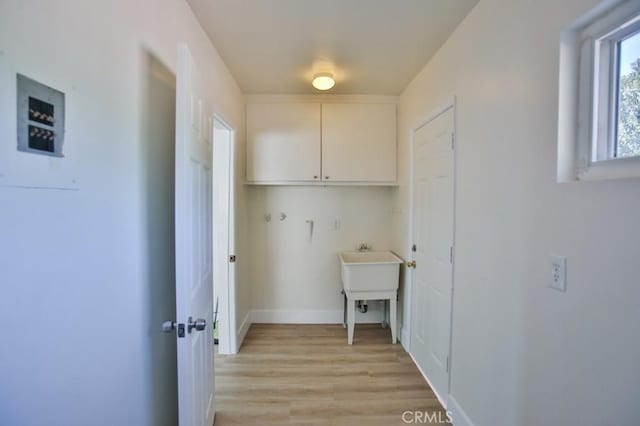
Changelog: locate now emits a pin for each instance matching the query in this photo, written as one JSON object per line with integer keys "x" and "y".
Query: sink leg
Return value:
{"x": 351, "y": 319}
{"x": 344, "y": 311}
{"x": 385, "y": 321}
{"x": 393, "y": 305}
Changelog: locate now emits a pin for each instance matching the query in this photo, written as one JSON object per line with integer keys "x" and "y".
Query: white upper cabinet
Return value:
{"x": 283, "y": 142}
{"x": 330, "y": 143}
{"x": 359, "y": 142}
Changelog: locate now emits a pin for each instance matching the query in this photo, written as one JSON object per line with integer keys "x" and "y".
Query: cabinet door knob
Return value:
{"x": 326, "y": 177}
{"x": 315, "y": 177}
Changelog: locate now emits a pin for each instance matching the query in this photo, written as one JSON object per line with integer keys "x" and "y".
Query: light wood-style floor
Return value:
{"x": 307, "y": 374}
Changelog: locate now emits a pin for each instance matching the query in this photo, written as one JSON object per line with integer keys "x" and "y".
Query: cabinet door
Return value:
{"x": 359, "y": 142}
{"x": 283, "y": 142}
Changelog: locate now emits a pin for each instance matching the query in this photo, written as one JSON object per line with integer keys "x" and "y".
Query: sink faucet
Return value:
{"x": 364, "y": 247}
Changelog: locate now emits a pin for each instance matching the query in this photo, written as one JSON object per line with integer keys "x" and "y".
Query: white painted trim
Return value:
{"x": 584, "y": 94}
{"x": 283, "y": 316}
{"x": 242, "y": 331}
{"x": 233, "y": 277}
{"x": 458, "y": 416}
{"x": 230, "y": 124}
{"x": 435, "y": 113}
{"x": 255, "y": 99}
{"x": 224, "y": 241}
{"x": 617, "y": 168}
{"x": 452, "y": 104}
{"x": 272, "y": 316}
{"x": 442, "y": 400}
{"x": 311, "y": 183}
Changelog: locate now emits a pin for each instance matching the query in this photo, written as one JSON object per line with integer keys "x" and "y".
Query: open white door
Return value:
{"x": 194, "y": 275}
{"x": 432, "y": 279}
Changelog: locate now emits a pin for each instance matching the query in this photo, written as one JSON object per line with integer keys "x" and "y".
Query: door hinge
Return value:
{"x": 447, "y": 364}
{"x": 414, "y": 248}
{"x": 453, "y": 138}
{"x": 451, "y": 254}
{"x": 232, "y": 258}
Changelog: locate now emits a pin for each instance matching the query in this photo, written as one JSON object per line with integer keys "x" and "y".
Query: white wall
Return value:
{"x": 295, "y": 279}
{"x": 83, "y": 299}
{"x": 523, "y": 353}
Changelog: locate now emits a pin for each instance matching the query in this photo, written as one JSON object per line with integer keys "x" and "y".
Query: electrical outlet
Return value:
{"x": 559, "y": 273}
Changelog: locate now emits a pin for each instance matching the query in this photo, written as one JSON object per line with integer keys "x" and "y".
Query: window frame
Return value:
{"x": 597, "y": 48}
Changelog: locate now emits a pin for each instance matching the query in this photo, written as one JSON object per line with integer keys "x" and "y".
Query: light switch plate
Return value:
{"x": 558, "y": 273}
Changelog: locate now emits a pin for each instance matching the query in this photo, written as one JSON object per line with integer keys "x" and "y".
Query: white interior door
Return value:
{"x": 194, "y": 285}
{"x": 432, "y": 280}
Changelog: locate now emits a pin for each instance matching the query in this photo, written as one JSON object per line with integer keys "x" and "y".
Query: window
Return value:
{"x": 627, "y": 139}
{"x": 599, "y": 117}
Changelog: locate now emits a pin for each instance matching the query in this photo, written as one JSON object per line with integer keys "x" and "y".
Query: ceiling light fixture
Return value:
{"x": 323, "y": 81}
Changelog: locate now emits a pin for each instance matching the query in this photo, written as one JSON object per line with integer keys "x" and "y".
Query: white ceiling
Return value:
{"x": 373, "y": 46}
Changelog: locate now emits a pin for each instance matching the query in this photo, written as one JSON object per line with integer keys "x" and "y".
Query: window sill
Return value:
{"x": 619, "y": 168}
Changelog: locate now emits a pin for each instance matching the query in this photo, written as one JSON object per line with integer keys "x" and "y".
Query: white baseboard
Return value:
{"x": 242, "y": 331}
{"x": 404, "y": 338}
{"x": 443, "y": 400}
{"x": 282, "y": 316}
{"x": 278, "y": 316}
{"x": 458, "y": 416}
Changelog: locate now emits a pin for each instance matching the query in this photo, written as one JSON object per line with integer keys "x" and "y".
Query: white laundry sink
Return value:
{"x": 370, "y": 271}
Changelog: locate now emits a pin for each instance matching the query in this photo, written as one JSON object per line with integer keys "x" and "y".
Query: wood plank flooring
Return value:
{"x": 308, "y": 375}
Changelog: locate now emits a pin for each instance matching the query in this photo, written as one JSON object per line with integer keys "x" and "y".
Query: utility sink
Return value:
{"x": 370, "y": 270}
{"x": 369, "y": 275}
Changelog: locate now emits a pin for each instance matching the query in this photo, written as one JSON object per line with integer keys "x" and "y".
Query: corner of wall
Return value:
{"x": 458, "y": 416}
{"x": 404, "y": 337}
{"x": 241, "y": 333}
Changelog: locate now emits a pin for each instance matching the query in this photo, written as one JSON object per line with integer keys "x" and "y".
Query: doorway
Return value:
{"x": 224, "y": 291}
{"x": 433, "y": 212}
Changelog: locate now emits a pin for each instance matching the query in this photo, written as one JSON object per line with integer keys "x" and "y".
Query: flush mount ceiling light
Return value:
{"x": 323, "y": 81}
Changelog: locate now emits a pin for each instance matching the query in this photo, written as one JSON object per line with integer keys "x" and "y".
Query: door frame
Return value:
{"x": 227, "y": 333}
{"x": 450, "y": 104}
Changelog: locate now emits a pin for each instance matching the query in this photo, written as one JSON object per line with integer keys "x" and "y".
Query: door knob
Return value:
{"x": 168, "y": 326}
{"x": 411, "y": 264}
{"x": 171, "y": 326}
{"x": 199, "y": 324}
